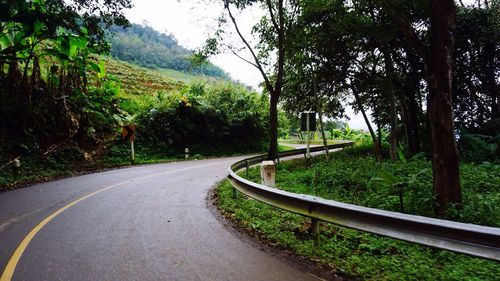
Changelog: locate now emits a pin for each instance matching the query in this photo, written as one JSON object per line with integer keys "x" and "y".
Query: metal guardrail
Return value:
{"x": 471, "y": 239}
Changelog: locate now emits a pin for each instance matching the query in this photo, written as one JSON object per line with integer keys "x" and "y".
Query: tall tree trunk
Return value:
{"x": 440, "y": 112}
{"x": 389, "y": 72}
{"x": 412, "y": 107}
{"x": 278, "y": 86}
{"x": 376, "y": 146}
{"x": 320, "y": 115}
{"x": 272, "y": 153}
{"x": 322, "y": 129}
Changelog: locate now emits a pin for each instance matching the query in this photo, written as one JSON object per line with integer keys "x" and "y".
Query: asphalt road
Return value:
{"x": 142, "y": 223}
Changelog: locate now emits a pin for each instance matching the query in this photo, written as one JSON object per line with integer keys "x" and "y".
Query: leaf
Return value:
{"x": 102, "y": 70}
{"x": 94, "y": 66}
{"x": 388, "y": 177}
{"x": 379, "y": 179}
{"x": 418, "y": 156}
{"x": 401, "y": 155}
{"x": 415, "y": 176}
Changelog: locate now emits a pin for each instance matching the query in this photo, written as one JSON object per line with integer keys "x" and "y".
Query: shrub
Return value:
{"x": 219, "y": 119}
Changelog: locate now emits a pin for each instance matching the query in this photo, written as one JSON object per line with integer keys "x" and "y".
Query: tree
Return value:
{"x": 317, "y": 62}
{"x": 476, "y": 97}
{"x": 394, "y": 33}
{"x": 270, "y": 50}
{"x": 60, "y": 35}
{"x": 438, "y": 60}
{"x": 440, "y": 111}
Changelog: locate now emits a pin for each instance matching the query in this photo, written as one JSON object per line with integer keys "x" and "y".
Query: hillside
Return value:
{"x": 144, "y": 46}
{"x": 140, "y": 83}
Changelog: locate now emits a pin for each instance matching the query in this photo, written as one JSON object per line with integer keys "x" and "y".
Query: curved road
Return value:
{"x": 141, "y": 223}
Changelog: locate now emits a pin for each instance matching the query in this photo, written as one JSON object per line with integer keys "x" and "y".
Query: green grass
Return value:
{"x": 316, "y": 141}
{"x": 358, "y": 254}
{"x": 189, "y": 78}
{"x": 284, "y": 147}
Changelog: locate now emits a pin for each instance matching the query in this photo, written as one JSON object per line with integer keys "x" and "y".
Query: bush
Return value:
{"x": 215, "y": 120}
{"x": 478, "y": 148}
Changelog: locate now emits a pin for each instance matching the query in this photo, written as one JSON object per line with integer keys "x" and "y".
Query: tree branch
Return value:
{"x": 257, "y": 62}
{"x": 281, "y": 48}
{"x": 408, "y": 31}
{"x": 271, "y": 13}
{"x": 240, "y": 57}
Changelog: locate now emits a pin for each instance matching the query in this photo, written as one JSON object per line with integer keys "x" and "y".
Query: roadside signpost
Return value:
{"x": 308, "y": 124}
{"x": 128, "y": 133}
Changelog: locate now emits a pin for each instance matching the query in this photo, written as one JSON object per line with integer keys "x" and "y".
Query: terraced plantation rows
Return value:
{"x": 136, "y": 80}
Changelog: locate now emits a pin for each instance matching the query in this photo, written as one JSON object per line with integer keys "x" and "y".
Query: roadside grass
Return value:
{"x": 284, "y": 147}
{"x": 318, "y": 142}
{"x": 359, "y": 255}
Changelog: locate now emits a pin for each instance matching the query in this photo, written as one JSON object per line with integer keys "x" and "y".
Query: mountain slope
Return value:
{"x": 144, "y": 46}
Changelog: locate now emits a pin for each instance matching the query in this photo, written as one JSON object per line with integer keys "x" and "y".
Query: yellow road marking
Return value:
{"x": 12, "y": 264}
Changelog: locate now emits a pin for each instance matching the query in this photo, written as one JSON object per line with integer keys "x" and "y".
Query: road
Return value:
{"x": 141, "y": 223}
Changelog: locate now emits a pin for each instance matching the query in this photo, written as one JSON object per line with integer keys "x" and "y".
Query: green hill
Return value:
{"x": 144, "y": 46}
{"x": 141, "y": 85}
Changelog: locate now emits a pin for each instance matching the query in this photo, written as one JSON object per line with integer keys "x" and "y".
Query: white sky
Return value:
{"x": 193, "y": 21}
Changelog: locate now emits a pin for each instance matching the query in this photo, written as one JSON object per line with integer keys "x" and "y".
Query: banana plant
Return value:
{"x": 399, "y": 184}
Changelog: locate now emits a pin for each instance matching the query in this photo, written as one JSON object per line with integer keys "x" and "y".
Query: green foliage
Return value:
{"x": 475, "y": 87}
{"x": 479, "y": 148}
{"x": 45, "y": 64}
{"x": 216, "y": 119}
{"x": 144, "y": 46}
{"x": 350, "y": 253}
{"x": 353, "y": 177}
{"x": 359, "y": 136}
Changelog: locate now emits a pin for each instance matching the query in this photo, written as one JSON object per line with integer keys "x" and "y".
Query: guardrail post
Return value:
{"x": 315, "y": 230}
{"x": 247, "y": 167}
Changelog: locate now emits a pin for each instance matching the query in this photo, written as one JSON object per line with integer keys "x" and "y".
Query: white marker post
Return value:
{"x": 268, "y": 173}
{"x": 132, "y": 151}
{"x": 186, "y": 153}
{"x": 17, "y": 167}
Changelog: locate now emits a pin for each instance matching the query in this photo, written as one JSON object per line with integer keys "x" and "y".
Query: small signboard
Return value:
{"x": 312, "y": 121}
{"x": 128, "y": 132}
